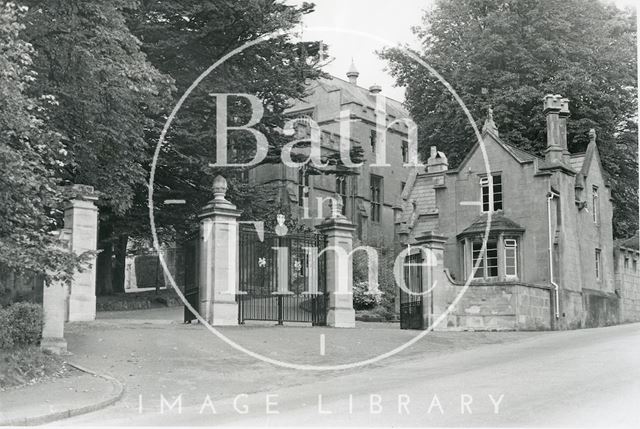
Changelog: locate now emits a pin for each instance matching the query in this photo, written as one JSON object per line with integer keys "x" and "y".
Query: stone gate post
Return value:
{"x": 219, "y": 253}
{"x": 339, "y": 269}
{"x": 81, "y": 217}
{"x": 54, "y": 308}
{"x": 434, "y": 277}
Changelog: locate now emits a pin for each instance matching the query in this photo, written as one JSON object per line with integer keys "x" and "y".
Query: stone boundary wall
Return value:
{"x": 501, "y": 307}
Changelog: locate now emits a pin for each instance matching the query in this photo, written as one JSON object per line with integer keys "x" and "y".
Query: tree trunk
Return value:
{"x": 119, "y": 263}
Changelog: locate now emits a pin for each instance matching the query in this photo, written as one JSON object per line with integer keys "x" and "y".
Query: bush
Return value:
{"x": 363, "y": 300}
{"x": 20, "y": 325}
{"x": 386, "y": 280}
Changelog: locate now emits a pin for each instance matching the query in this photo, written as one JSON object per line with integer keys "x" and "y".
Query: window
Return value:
{"x": 595, "y": 204}
{"x": 488, "y": 265}
{"x": 376, "y": 197}
{"x": 635, "y": 266}
{"x": 341, "y": 189}
{"x": 373, "y": 136}
{"x": 598, "y": 265}
{"x": 303, "y": 185}
{"x": 491, "y": 189}
{"x": 626, "y": 263}
{"x": 510, "y": 257}
{"x": 405, "y": 152}
{"x": 402, "y": 185}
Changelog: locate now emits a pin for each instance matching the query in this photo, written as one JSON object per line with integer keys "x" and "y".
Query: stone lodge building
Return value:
{"x": 368, "y": 196}
{"x": 549, "y": 259}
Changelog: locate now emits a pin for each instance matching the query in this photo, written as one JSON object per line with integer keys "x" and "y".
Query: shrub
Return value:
{"x": 20, "y": 325}
{"x": 6, "y": 338}
{"x": 361, "y": 299}
{"x": 386, "y": 280}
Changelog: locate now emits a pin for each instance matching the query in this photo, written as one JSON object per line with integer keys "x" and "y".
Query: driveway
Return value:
{"x": 183, "y": 375}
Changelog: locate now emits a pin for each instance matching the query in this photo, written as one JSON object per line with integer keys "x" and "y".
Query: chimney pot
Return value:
{"x": 552, "y": 103}
{"x": 375, "y": 89}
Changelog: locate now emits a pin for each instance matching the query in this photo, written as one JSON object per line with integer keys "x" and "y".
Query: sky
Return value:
{"x": 390, "y": 20}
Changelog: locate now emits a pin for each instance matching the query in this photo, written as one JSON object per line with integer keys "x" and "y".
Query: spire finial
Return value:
{"x": 353, "y": 73}
{"x": 592, "y": 136}
{"x": 489, "y": 124}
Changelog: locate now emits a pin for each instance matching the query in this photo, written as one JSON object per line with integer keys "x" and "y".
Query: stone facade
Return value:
{"x": 626, "y": 255}
{"x": 549, "y": 256}
{"x": 327, "y": 99}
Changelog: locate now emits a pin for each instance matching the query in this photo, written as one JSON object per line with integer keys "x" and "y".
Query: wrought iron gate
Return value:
{"x": 261, "y": 268}
{"x": 191, "y": 286}
{"x": 411, "y": 315}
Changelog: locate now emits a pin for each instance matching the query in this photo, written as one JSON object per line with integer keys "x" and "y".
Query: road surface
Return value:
{"x": 585, "y": 378}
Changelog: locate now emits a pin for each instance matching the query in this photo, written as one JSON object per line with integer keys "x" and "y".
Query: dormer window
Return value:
{"x": 491, "y": 193}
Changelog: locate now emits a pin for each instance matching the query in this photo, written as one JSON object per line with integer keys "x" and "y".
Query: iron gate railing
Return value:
{"x": 411, "y": 314}
{"x": 191, "y": 285}
{"x": 261, "y": 268}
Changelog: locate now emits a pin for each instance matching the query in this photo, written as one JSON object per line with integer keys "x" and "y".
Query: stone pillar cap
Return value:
{"x": 219, "y": 204}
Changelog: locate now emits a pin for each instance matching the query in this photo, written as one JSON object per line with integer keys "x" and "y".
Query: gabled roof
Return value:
{"x": 499, "y": 223}
{"x": 519, "y": 155}
{"x": 360, "y": 95}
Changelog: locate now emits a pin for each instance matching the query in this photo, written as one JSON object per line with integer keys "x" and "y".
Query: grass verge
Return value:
{"x": 21, "y": 366}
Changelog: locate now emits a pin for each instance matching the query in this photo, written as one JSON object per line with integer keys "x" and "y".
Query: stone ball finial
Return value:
{"x": 219, "y": 188}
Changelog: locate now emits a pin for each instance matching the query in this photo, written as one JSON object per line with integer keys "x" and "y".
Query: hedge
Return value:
{"x": 20, "y": 325}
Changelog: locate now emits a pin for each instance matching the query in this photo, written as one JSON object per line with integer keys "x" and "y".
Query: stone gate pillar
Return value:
{"x": 339, "y": 268}
{"x": 435, "y": 303}
{"x": 54, "y": 308}
{"x": 219, "y": 253}
{"x": 81, "y": 217}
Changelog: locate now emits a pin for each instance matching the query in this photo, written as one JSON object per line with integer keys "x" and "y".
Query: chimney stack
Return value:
{"x": 437, "y": 161}
{"x": 552, "y": 107}
{"x": 353, "y": 74}
{"x": 564, "y": 115}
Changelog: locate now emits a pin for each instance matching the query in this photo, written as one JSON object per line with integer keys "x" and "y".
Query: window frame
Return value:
{"x": 489, "y": 184}
{"x": 405, "y": 151}
{"x": 482, "y": 273}
{"x": 598, "y": 264}
{"x": 373, "y": 139}
{"x": 376, "y": 197}
{"x": 510, "y": 245}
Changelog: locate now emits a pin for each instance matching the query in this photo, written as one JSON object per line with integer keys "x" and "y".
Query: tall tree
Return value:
{"x": 508, "y": 54}
{"x": 184, "y": 39}
{"x": 91, "y": 63}
{"x": 30, "y": 156}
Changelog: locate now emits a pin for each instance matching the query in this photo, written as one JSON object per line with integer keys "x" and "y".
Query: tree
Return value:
{"x": 30, "y": 156}
{"x": 106, "y": 89}
{"x": 184, "y": 39}
{"x": 508, "y": 54}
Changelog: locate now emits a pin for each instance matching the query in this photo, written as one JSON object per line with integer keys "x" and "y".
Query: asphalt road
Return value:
{"x": 586, "y": 378}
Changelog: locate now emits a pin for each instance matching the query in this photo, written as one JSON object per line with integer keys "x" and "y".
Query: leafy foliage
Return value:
{"x": 21, "y": 325}
{"x": 88, "y": 59}
{"x": 508, "y": 55}
{"x": 183, "y": 40}
{"x": 30, "y": 159}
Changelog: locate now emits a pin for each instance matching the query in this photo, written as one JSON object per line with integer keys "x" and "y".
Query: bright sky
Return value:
{"x": 386, "y": 19}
